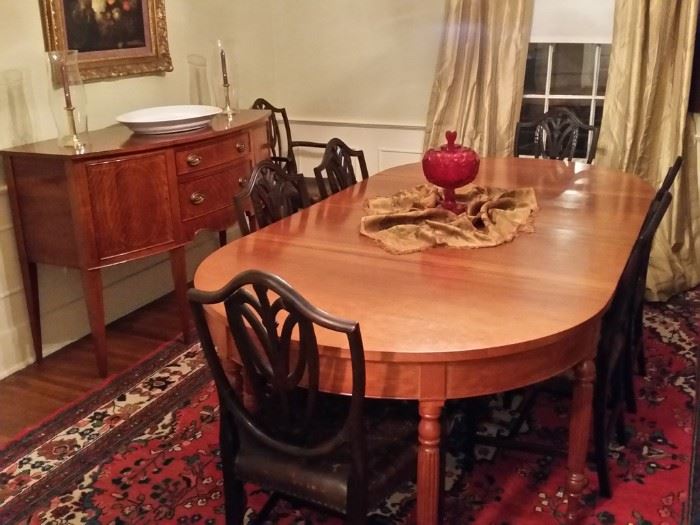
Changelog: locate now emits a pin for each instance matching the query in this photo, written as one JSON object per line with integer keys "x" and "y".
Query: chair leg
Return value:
{"x": 270, "y": 504}
{"x": 641, "y": 358}
{"x": 234, "y": 501}
{"x": 234, "y": 491}
{"x": 356, "y": 505}
{"x": 356, "y": 517}
{"x": 630, "y": 394}
{"x": 630, "y": 353}
{"x": 620, "y": 433}
{"x": 600, "y": 441}
{"x": 637, "y": 341}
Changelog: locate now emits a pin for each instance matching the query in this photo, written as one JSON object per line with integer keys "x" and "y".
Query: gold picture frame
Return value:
{"x": 115, "y": 38}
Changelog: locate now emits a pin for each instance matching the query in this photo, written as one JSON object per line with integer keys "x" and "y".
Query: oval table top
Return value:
{"x": 447, "y": 304}
{"x": 450, "y": 323}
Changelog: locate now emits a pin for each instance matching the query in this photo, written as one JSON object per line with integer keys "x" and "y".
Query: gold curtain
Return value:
{"x": 644, "y": 122}
{"x": 478, "y": 85}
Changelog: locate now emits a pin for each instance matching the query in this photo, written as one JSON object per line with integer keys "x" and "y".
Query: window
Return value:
{"x": 571, "y": 75}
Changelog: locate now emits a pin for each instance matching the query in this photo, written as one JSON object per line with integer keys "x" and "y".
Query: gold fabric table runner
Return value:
{"x": 411, "y": 220}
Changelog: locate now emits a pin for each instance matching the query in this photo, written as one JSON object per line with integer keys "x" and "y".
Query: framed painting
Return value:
{"x": 115, "y": 38}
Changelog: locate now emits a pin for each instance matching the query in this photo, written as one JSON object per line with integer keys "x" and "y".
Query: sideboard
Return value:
{"x": 126, "y": 197}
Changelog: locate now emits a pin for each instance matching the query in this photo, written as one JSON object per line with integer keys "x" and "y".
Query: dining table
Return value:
{"x": 448, "y": 323}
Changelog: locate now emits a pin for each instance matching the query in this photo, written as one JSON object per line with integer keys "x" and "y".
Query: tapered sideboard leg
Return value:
{"x": 31, "y": 295}
{"x": 92, "y": 288}
{"x": 178, "y": 267}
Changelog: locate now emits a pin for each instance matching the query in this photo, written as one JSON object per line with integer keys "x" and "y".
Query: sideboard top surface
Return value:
{"x": 118, "y": 138}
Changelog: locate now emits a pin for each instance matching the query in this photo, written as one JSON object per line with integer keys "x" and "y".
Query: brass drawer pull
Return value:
{"x": 240, "y": 147}
{"x": 193, "y": 159}
{"x": 197, "y": 198}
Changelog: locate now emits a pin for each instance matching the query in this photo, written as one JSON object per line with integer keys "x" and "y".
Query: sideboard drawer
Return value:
{"x": 211, "y": 153}
{"x": 207, "y": 194}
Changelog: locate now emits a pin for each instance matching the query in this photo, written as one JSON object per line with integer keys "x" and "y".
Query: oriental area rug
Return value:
{"x": 144, "y": 450}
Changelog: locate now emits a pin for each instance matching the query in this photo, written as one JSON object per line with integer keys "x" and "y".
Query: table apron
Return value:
{"x": 451, "y": 379}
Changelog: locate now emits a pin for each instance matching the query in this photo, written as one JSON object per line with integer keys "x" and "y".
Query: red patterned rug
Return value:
{"x": 144, "y": 450}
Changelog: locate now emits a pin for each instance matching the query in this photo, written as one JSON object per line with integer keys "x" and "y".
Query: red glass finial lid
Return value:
{"x": 451, "y": 137}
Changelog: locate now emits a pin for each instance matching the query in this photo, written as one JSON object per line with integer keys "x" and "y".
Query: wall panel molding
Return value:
{"x": 390, "y": 157}
{"x": 385, "y": 144}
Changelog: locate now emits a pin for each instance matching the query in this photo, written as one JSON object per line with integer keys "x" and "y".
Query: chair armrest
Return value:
{"x": 307, "y": 144}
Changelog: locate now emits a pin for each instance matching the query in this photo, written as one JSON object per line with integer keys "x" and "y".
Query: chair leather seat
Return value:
{"x": 391, "y": 434}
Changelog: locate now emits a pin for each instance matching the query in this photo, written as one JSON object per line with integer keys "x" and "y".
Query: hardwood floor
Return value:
{"x": 32, "y": 394}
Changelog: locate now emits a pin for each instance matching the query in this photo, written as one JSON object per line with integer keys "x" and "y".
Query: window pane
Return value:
{"x": 536, "y": 69}
{"x": 604, "y": 63}
{"x": 572, "y": 69}
{"x": 582, "y": 109}
{"x": 532, "y": 109}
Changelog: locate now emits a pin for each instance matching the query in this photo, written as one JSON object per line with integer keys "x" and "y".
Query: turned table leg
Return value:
{"x": 429, "y": 482}
{"x": 579, "y": 429}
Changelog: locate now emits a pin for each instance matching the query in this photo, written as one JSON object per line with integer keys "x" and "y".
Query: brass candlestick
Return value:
{"x": 70, "y": 112}
{"x": 224, "y": 72}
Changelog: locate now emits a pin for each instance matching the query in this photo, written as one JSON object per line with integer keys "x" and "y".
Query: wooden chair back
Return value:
{"x": 270, "y": 194}
{"x": 613, "y": 360}
{"x": 336, "y": 171}
{"x": 670, "y": 177}
{"x": 279, "y": 135}
{"x": 555, "y": 135}
{"x": 264, "y": 315}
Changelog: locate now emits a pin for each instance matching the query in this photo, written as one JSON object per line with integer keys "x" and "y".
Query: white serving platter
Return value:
{"x": 168, "y": 119}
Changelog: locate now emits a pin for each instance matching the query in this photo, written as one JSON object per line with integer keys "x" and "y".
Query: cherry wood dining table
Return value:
{"x": 454, "y": 323}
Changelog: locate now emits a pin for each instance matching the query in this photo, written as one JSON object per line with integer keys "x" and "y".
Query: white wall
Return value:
{"x": 359, "y": 70}
{"x": 191, "y": 29}
{"x": 345, "y": 60}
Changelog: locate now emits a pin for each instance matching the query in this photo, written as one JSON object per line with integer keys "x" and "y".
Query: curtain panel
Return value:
{"x": 479, "y": 77}
{"x": 645, "y": 126}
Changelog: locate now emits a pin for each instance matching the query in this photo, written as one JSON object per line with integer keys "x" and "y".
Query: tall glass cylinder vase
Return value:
{"x": 13, "y": 93}
{"x": 67, "y": 99}
{"x": 199, "y": 82}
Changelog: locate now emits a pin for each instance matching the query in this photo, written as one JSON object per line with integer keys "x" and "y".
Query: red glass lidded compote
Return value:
{"x": 450, "y": 166}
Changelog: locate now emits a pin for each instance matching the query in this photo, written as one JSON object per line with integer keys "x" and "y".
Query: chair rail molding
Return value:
{"x": 385, "y": 144}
